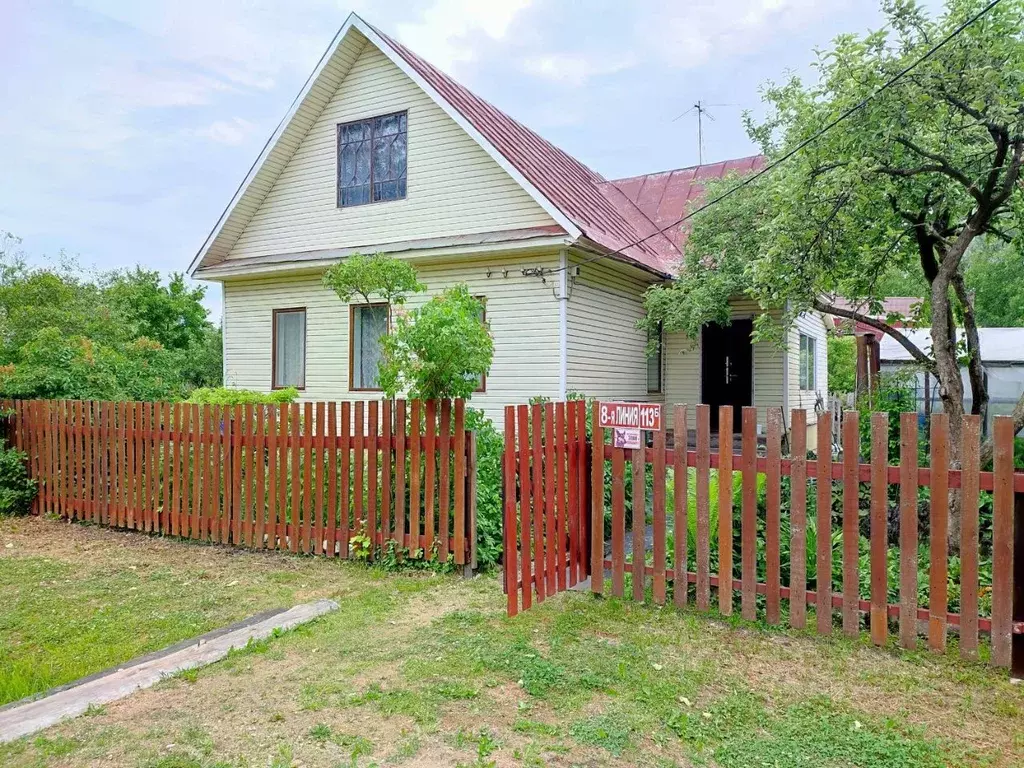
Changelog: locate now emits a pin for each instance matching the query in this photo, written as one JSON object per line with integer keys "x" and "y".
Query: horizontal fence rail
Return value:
{"x": 335, "y": 479}
{"x": 853, "y": 547}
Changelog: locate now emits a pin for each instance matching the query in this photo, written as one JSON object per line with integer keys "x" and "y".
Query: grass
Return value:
{"x": 428, "y": 670}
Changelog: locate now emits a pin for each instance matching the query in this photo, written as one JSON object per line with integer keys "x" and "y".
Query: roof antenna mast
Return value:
{"x": 702, "y": 111}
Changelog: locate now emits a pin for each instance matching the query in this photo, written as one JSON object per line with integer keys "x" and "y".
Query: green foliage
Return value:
{"x": 489, "y": 448}
{"x": 439, "y": 350}
{"x": 835, "y": 218}
{"x": 17, "y": 489}
{"x": 895, "y": 395}
{"x": 842, "y": 364}
{"x": 378, "y": 276}
{"x": 995, "y": 272}
{"x": 118, "y": 335}
{"x": 228, "y": 396}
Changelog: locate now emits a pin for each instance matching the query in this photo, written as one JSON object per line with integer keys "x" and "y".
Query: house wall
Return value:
{"x": 454, "y": 187}
{"x": 683, "y": 369}
{"x": 522, "y": 313}
{"x": 606, "y": 355}
{"x": 813, "y": 325}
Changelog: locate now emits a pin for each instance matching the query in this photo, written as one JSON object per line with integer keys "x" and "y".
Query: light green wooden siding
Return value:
{"x": 606, "y": 352}
{"x": 522, "y": 313}
{"x": 454, "y": 186}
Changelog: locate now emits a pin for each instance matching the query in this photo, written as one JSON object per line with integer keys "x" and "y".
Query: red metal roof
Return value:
{"x": 904, "y": 306}
{"x": 600, "y": 210}
{"x": 667, "y": 196}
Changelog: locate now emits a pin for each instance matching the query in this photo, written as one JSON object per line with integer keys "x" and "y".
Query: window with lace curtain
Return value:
{"x": 368, "y": 325}
{"x": 288, "y": 367}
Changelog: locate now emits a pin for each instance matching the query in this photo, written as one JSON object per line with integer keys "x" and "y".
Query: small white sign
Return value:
{"x": 626, "y": 437}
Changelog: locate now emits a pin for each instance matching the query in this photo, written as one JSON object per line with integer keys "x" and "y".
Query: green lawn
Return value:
{"x": 424, "y": 671}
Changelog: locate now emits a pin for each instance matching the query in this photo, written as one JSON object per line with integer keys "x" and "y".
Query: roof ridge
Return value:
{"x": 687, "y": 168}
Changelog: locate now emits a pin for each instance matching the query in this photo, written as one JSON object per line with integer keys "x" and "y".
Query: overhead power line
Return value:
{"x": 748, "y": 180}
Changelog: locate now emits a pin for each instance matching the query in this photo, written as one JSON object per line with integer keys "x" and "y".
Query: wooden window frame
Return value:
{"x": 352, "y": 339}
{"x": 661, "y": 364}
{"x": 337, "y": 161}
{"x": 273, "y": 347}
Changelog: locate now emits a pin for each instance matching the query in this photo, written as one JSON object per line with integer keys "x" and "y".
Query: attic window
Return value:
{"x": 372, "y": 159}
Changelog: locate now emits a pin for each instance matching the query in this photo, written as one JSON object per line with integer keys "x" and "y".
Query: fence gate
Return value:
{"x": 547, "y": 535}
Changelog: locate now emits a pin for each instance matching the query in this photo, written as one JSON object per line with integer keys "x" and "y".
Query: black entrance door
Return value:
{"x": 727, "y": 367}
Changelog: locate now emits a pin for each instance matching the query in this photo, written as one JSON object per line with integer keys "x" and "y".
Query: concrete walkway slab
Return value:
{"x": 19, "y": 720}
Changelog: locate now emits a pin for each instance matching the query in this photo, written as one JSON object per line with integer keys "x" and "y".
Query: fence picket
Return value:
{"x": 305, "y": 531}
{"x": 879, "y": 528}
{"x": 597, "y": 501}
{"x": 415, "y": 446}
{"x": 387, "y": 424}
{"x": 748, "y": 515}
{"x": 798, "y": 522}
{"x": 400, "y": 430}
{"x": 572, "y": 491}
{"x": 773, "y": 502}
{"x": 908, "y": 530}
{"x": 703, "y": 507}
{"x": 509, "y": 527}
{"x": 238, "y": 433}
{"x": 549, "y": 499}
{"x": 680, "y": 507}
{"x": 725, "y": 449}
{"x": 823, "y": 564}
{"x": 332, "y": 479}
{"x": 345, "y": 528}
{"x": 938, "y": 597}
{"x": 358, "y": 458}
{"x": 537, "y": 493}
{"x": 1002, "y": 541}
{"x": 969, "y": 537}
{"x": 618, "y": 522}
{"x": 525, "y": 508}
{"x": 460, "y": 482}
{"x": 430, "y": 476}
{"x": 444, "y": 478}
{"x": 637, "y": 522}
{"x": 659, "y": 518}
{"x": 851, "y": 522}
{"x": 561, "y": 460}
{"x": 373, "y": 414}
{"x": 256, "y": 483}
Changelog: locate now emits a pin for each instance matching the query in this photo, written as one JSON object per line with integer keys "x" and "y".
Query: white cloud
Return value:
{"x": 573, "y": 68}
{"x": 231, "y": 132}
{"x": 444, "y": 33}
{"x": 688, "y": 35}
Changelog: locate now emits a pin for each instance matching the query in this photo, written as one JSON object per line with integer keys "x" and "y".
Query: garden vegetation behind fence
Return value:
{"x": 859, "y": 540}
{"x": 362, "y": 480}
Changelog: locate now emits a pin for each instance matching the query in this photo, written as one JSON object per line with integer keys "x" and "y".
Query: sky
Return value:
{"x": 126, "y": 126}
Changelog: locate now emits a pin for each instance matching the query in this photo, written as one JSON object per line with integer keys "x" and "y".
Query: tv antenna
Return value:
{"x": 702, "y": 111}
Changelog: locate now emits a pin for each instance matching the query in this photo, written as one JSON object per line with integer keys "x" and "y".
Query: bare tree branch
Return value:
{"x": 942, "y": 166}
{"x": 975, "y": 372}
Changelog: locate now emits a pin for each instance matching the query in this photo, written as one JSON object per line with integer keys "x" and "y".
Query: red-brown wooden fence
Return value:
{"x": 306, "y": 477}
{"x": 534, "y": 463}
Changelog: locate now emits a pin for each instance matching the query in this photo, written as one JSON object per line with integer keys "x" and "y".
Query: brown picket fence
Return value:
{"x": 303, "y": 477}
{"x": 538, "y": 552}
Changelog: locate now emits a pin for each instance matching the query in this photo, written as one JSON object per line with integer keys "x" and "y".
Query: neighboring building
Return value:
{"x": 382, "y": 152}
{"x": 1002, "y": 356}
{"x": 899, "y": 310}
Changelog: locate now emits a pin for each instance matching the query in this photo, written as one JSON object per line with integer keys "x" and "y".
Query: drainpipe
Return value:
{"x": 563, "y": 323}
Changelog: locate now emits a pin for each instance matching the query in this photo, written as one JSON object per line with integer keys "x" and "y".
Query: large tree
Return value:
{"x": 903, "y": 186}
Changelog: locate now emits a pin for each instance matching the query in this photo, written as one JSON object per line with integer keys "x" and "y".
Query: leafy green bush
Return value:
{"x": 228, "y": 396}
{"x": 489, "y": 447}
{"x": 439, "y": 350}
{"x": 17, "y": 489}
{"x": 842, "y": 364}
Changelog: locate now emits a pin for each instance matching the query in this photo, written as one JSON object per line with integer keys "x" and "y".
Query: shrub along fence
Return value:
{"x": 846, "y": 537}
{"x": 337, "y": 479}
